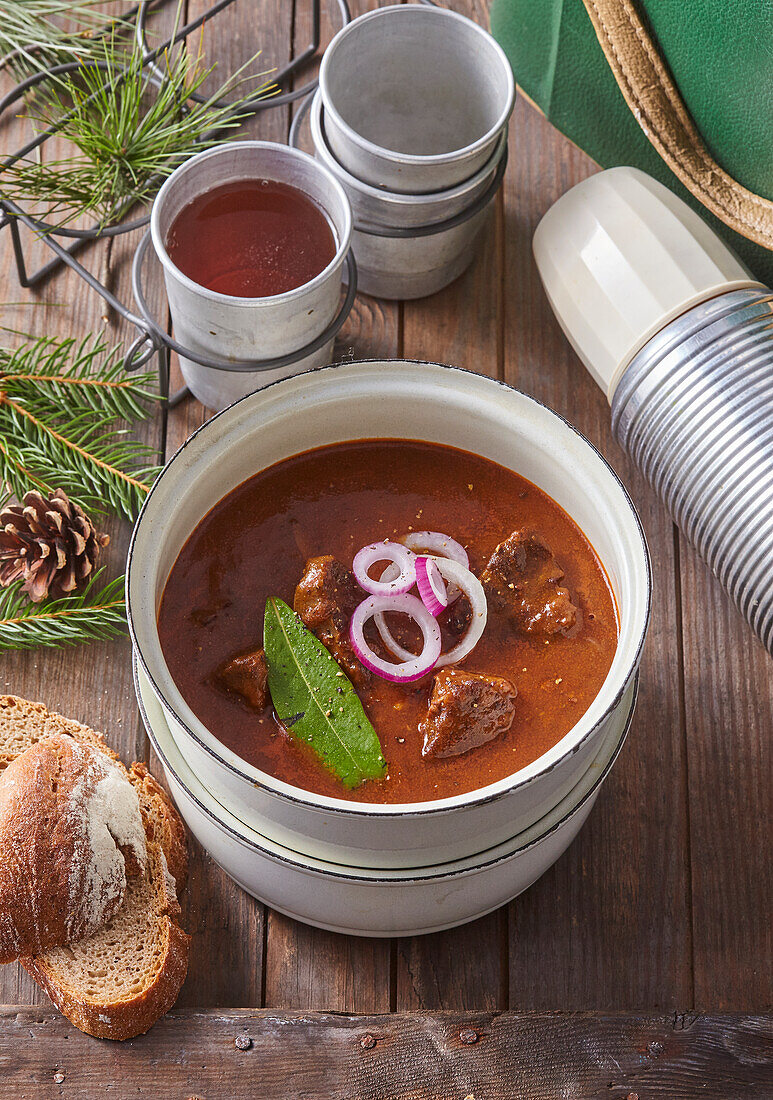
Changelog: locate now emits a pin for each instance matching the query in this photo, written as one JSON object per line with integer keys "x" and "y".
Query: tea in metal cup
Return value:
{"x": 415, "y": 97}
{"x": 222, "y": 326}
{"x": 411, "y": 266}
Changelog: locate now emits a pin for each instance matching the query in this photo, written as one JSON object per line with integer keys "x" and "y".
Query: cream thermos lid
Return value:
{"x": 620, "y": 256}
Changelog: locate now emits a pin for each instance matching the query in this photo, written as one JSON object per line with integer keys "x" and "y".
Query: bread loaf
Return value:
{"x": 70, "y": 834}
{"x": 116, "y": 982}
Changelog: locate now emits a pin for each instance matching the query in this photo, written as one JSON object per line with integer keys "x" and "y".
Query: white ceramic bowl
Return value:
{"x": 409, "y": 267}
{"x": 364, "y": 902}
{"x": 389, "y": 399}
{"x": 415, "y": 97}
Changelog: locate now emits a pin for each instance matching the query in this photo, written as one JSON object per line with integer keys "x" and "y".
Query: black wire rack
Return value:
{"x": 65, "y": 242}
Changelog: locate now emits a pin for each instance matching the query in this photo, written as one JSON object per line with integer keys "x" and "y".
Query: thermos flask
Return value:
{"x": 679, "y": 335}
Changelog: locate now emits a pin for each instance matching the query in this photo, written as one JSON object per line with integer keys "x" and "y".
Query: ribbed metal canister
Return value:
{"x": 694, "y": 409}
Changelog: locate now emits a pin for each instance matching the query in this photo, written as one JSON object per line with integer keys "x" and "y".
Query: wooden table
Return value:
{"x": 639, "y": 965}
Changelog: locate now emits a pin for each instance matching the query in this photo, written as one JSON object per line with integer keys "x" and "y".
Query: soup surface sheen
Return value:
{"x": 255, "y": 542}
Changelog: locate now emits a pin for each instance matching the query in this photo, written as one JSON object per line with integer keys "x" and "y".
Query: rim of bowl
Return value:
{"x": 377, "y": 875}
{"x": 399, "y": 198}
{"x": 277, "y": 787}
{"x": 418, "y": 159}
{"x": 344, "y": 243}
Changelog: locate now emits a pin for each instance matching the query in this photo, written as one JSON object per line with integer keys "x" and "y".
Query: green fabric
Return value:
{"x": 720, "y": 53}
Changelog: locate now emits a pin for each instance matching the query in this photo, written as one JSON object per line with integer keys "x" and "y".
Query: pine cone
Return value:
{"x": 51, "y": 543}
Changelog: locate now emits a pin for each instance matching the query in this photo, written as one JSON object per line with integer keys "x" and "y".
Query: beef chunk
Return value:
{"x": 325, "y": 600}
{"x": 465, "y": 711}
{"x": 247, "y": 675}
{"x": 523, "y": 578}
{"x": 327, "y": 594}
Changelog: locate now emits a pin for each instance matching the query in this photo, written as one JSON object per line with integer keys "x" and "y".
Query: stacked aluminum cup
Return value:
{"x": 411, "y": 118}
{"x": 679, "y": 334}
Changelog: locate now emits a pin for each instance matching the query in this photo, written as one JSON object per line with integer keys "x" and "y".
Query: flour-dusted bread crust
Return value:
{"x": 163, "y": 824}
{"x": 117, "y": 982}
{"x": 71, "y": 833}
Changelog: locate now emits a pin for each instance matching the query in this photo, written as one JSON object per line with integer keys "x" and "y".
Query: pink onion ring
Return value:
{"x": 402, "y": 558}
{"x": 413, "y": 666}
{"x": 437, "y": 544}
{"x": 431, "y": 586}
{"x": 473, "y": 590}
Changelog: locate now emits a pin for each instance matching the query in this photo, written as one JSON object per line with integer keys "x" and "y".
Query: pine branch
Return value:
{"x": 37, "y": 33}
{"x": 52, "y": 377}
{"x": 61, "y": 407}
{"x": 93, "y": 615}
{"x": 15, "y": 474}
{"x": 127, "y": 133}
{"x": 91, "y": 463}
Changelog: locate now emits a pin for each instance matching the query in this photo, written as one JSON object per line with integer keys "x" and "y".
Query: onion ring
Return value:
{"x": 403, "y": 559}
{"x": 472, "y": 588}
{"x": 436, "y": 544}
{"x": 413, "y": 666}
{"x": 431, "y": 586}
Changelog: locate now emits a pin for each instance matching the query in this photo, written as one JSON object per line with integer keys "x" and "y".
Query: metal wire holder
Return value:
{"x": 151, "y": 337}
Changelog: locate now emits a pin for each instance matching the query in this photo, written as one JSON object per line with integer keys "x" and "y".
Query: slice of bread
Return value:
{"x": 118, "y": 981}
{"x": 23, "y": 723}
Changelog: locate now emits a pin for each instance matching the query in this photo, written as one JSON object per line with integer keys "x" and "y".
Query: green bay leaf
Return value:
{"x": 315, "y": 700}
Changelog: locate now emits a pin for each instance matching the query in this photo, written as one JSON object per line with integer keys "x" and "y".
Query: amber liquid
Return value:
{"x": 251, "y": 239}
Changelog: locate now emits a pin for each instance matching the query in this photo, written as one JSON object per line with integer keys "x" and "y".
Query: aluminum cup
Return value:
{"x": 229, "y": 327}
{"x": 408, "y": 267}
{"x": 415, "y": 97}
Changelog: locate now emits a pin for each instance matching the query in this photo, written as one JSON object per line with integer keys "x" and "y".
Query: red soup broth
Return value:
{"x": 255, "y": 542}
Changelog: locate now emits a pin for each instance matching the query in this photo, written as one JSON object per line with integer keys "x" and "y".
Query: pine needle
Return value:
{"x": 56, "y": 376}
{"x": 37, "y": 33}
{"x": 62, "y": 412}
{"x": 92, "y": 615}
{"x": 127, "y": 133}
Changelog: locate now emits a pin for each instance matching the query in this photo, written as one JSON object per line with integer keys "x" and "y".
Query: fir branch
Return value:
{"x": 93, "y": 464}
{"x": 92, "y": 615}
{"x": 51, "y": 377}
{"x": 128, "y": 134}
{"x": 62, "y": 406}
{"x": 15, "y": 474}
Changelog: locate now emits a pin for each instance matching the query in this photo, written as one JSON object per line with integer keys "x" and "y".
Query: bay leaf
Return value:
{"x": 315, "y": 700}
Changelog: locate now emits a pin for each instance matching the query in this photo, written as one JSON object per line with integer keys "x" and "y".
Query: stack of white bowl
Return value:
{"x": 364, "y": 868}
{"x": 411, "y": 117}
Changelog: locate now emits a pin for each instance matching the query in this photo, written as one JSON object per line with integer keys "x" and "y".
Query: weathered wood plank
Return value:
{"x": 609, "y": 925}
{"x": 729, "y": 719}
{"x": 308, "y": 968}
{"x": 463, "y": 968}
{"x": 509, "y": 1056}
